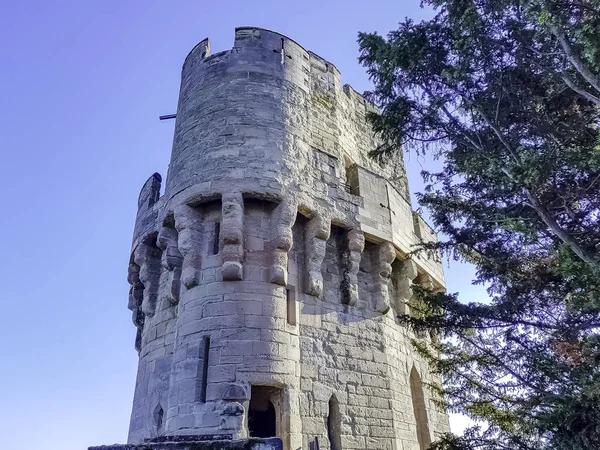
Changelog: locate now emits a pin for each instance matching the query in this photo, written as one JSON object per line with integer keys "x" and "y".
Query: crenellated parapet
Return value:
{"x": 149, "y": 205}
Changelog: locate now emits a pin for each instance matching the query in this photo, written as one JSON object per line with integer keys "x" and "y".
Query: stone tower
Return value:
{"x": 266, "y": 280}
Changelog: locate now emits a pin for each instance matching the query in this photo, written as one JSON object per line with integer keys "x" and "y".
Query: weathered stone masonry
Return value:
{"x": 266, "y": 280}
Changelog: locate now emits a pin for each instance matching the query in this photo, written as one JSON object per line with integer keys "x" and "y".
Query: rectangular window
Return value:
{"x": 206, "y": 342}
{"x": 417, "y": 225}
{"x": 215, "y": 240}
{"x": 291, "y": 305}
{"x": 352, "y": 179}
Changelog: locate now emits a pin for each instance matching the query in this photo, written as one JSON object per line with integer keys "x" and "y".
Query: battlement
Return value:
{"x": 267, "y": 280}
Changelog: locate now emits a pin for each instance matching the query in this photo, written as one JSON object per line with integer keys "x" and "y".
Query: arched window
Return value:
{"x": 418, "y": 401}
{"x": 334, "y": 425}
{"x": 158, "y": 417}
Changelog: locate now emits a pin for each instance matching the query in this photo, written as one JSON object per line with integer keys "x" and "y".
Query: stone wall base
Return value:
{"x": 194, "y": 443}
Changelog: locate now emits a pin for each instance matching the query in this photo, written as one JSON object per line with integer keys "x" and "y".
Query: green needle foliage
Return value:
{"x": 507, "y": 94}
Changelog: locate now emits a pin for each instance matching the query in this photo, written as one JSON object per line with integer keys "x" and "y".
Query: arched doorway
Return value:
{"x": 262, "y": 415}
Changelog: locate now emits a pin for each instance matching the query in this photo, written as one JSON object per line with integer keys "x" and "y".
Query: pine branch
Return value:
{"x": 575, "y": 60}
{"x": 580, "y": 90}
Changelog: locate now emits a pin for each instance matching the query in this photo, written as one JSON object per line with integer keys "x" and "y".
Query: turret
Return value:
{"x": 267, "y": 279}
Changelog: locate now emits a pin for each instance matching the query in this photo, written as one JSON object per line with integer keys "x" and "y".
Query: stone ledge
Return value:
{"x": 198, "y": 443}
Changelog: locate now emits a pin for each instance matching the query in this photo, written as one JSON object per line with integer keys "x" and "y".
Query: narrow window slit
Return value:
{"x": 352, "y": 177}
{"x": 291, "y": 305}
{"x": 282, "y": 51}
{"x": 334, "y": 425}
{"x": 158, "y": 417}
{"x": 216, "y": 234}
{"x": 206, "y": 342}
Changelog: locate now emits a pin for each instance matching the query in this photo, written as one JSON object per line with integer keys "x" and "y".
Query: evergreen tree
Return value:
{"x": 507, "y": 93}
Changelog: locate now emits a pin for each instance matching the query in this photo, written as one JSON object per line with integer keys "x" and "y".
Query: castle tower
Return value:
{"x": 266, "y": 280}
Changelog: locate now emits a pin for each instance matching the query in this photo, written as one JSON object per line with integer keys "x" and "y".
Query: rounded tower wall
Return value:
{"x": 243, "y": 322}
{"x": 232, "y": 115}
{"x": 260, "y": 113}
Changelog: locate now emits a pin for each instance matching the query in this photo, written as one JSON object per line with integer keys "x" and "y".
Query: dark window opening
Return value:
{"x": 334, "y": 425}
{"x": 262, "y": 416}
{"x": 261, "y": 424}
{"x": 351, "y": 185}
{"x": 158, "y": 416}
{"x": 291, "y": 305}
{"x": 206, "y": 342}
{"x": 215, "y": 240}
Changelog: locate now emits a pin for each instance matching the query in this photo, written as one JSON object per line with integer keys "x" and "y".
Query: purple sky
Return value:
{"x": 82, "y": 85}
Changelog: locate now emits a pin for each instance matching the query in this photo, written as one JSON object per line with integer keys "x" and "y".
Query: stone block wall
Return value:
{"x": 267, "y": 279}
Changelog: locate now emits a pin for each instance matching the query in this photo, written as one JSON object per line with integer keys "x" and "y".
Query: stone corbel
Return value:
{"x": 136, "y": 292}
{"x": 426, "y": 281}
{"x": 283, "y": 218}
{"x": 147, "y": 257}
{"x": 317, "y": 233}
{"x": 172, "y": 261}
{"x": 356, "y": 245}
{"x": 404, "y": 279}
{"x": 385, "y": 255}
{"x": 232, "y": 415}
{"x": 232, "y": 236}
{"x": 188, "y": 224}
{"x": 136, "y": 296}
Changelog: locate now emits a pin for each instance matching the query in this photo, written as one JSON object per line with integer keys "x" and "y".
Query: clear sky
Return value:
{"x": 81, "y": 87}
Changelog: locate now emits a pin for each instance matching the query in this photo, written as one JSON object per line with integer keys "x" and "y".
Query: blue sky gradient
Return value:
{"x": 82, "y": 85}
